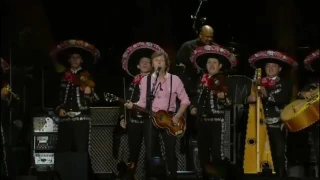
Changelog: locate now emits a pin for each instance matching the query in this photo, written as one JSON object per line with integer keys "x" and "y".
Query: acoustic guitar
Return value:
{"x": 160, "y": 119}
{"x": 301, "y": 113}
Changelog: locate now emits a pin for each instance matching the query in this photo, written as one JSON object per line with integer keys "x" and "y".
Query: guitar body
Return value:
{"x": 163, "y": 120}
{"x": 160, "y": 119}
{"x": 301, "y": 114}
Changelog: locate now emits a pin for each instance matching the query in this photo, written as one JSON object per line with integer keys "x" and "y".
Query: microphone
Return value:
{"x": 158, "y": 70}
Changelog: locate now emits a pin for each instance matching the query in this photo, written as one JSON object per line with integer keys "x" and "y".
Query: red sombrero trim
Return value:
{"x": 213, "y": 49}
{"x": 310, "y": 58}
{"x": 130, "y": 50}
{"x": 75, "y": 44}
{"x": 270, "y": 54}
{"x": 4, "y": 64}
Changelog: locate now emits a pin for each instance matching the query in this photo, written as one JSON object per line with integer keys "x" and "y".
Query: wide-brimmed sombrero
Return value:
{"x": 312, "y": 61}
{"x": 4, "y": 65}
{"x": 63, "y": 50}
{"x": 201, "y": 54}
{"x": 259, "y": 59}
{"x": 132, "y": 55}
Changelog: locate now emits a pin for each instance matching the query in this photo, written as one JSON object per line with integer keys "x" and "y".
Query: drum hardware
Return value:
{"x": 195, "y": 17}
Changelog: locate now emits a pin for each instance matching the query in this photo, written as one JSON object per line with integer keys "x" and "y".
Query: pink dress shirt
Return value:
{"x": 162, "y": 94}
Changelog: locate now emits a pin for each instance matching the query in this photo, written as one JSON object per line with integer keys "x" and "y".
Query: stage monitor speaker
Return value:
{"x": 72, "y": 165}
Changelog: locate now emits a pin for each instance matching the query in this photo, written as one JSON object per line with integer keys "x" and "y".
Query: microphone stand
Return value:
{"x": 195, "y": 16}
{"x": 149, "y": 127}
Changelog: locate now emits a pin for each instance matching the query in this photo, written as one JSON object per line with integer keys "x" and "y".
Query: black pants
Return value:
{"x": 170, "y": 147}
{"x": 135, "y": 135}
{"x": 209, "y": 144}
{"x": 73, "y": 136}
{"x": 277, "y": 139}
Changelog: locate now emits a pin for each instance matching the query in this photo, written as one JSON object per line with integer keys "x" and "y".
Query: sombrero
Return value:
{"x": 62, "y": 51}
{"x": 259, "y": 59}
{"x": 201, "y": 54}
{"x": 4, "y": 65}
{"x": 312, "y": 61}
{"x": 134, "y": 53}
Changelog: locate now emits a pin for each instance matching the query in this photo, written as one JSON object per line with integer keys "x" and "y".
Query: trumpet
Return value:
{"x": 8, "y": 89}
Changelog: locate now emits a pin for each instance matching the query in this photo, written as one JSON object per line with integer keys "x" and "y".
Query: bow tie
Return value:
{"x": 138, "y": 78}
{"x": 269, "y": 82}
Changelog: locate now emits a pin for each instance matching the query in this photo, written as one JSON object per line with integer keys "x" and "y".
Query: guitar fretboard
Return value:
{"x": 138, "y": 108}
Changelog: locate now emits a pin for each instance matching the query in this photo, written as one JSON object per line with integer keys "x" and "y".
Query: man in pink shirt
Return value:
{"x": 163, "y": 100}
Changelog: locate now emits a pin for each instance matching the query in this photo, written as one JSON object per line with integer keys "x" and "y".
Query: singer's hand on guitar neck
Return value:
{"x": 128, "y": 105}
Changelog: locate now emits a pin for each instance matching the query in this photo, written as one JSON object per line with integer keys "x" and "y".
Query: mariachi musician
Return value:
{"x": 76, "y": 95}
{"x": 312, "y": 64}
{"x": 276, "y": 92}
{"x": 136, "y": 61}
{"x": 210, "y": 103}
{"x": 5, "y": 166}
{"x": 4, "y": 90}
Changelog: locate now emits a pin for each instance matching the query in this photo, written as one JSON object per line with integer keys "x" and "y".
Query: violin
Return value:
{"x": 84, "y": 81}
{"x": 218, "y": 84}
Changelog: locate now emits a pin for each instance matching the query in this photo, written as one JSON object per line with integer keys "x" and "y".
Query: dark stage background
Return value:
{"x": 31, "y": 28}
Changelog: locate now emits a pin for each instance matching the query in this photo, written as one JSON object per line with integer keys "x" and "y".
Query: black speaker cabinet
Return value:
{"x": 72, "y": 166}
{"x": 103, "y": 122}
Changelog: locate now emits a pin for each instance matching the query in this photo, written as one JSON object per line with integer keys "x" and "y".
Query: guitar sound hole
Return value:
{"x": 161, "y": 118}
{"x": 251, "y": 141}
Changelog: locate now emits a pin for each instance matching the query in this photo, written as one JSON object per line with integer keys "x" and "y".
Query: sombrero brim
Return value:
{"x": 88, "y": 52}
{"x": 312, "y": 61}
{"x": 261, "y": 63}
{"x": 135, "y": 57}
{"x": 133, "y": 54}
{"x": 63, "y": 56}
{"x": 202, "y": 61}
{"x": 200, "y": 56}
{"x": 259, "y": 59}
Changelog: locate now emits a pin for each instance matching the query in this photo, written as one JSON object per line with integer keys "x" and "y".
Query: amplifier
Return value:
{"x": 43, "y": 161}
{"x": 45, "y": 142}
{"x": 44, "y": 125}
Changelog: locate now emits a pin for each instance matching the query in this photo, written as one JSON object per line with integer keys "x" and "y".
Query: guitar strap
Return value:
{"x": 149, "y": 104}
{"x": 170, "y": 92}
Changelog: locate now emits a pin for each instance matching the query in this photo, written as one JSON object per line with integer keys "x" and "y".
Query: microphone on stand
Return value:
{"x": 158, "y": 71}
{"x": 155, "y": 83}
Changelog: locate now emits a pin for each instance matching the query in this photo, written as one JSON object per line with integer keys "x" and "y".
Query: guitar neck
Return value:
{"x": 136, "y": 107}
